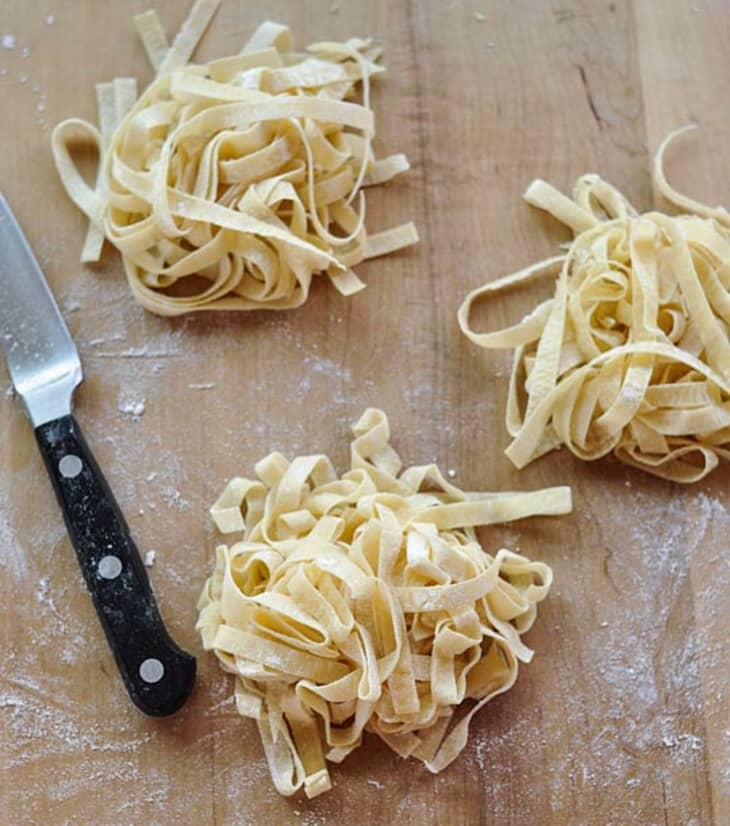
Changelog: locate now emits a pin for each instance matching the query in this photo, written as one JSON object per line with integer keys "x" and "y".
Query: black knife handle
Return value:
{"x": 158, "y": 675}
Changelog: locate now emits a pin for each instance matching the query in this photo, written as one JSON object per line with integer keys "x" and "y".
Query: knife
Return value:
{"x": 45, "y": 369}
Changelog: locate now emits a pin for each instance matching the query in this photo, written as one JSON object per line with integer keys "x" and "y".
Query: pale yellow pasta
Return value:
{"x": 365, "y": 602}
{"x": 230, "y": 185}
{"x": 632, "y": 354}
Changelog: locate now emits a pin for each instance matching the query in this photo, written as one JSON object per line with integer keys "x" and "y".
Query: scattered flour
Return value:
{"x": 149, "y": 558}
{"x": 134, "y": 409}
{"x": 8, "y": 41}
{"x": 174, "y": 499}
{"x": 13, "y": 557}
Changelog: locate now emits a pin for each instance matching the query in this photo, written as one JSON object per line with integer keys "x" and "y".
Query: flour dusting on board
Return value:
{"x": 13, "y": 558}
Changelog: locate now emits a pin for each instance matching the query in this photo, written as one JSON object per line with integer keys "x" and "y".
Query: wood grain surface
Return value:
{"x": 623, "y": 716}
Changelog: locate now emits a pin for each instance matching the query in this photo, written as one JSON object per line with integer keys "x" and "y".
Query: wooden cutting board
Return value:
{"x": 622, "y": 718}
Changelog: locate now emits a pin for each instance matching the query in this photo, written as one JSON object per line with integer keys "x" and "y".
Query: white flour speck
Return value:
{"x": 134, "y": 409}
{"x": 41, "y": 593}
{"x": 174, "y": 499}
{"x": 480, "y": 753}
{"x": 25, "y": 52}
{"x": 149, "y": 558}
{"x": 136, "y": 353}
{"x": 692, "y": 740}
{"x": 8, "y": 41}
{"x": 49, "y": 20}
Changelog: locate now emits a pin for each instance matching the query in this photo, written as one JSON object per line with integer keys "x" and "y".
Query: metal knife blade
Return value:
{"x": 42, "y": 359}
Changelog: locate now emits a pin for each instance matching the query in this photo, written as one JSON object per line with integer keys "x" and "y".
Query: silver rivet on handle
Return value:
{"x": 70, "y": 466}
{"x": 152, "y": 670}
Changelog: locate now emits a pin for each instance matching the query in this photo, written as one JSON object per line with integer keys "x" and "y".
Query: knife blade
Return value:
{"x": 42, "y": 359}
{"x": 45, "y": 368}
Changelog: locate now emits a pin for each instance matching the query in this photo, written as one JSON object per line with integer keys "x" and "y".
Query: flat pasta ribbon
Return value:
{"x": 632, "y": 354}
{"x": 365, "y": 602}
{"x": 230, "y": 185}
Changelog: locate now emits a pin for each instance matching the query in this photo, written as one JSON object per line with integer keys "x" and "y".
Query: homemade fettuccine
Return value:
{"x": 632, "y": 354}
{"x": 365, "y": 602}
{"x": 229, "y": 185}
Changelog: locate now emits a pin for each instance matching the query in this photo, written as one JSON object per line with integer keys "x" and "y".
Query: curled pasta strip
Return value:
{"x": 230, "y": 185}
{"x": 632, "y": 353}
{"x": 365, "y": 602}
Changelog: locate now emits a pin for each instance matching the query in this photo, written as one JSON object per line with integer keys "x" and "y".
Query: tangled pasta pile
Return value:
{"x": 365, "y": 602}
{"x": 632, "y": 354}
{"x": 230, "y": 185}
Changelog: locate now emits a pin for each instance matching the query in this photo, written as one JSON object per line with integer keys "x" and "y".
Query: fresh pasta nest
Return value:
{"x": 365, "y": 602}
{"x": 230, "y": 185}
{"x": 632, "y": 354}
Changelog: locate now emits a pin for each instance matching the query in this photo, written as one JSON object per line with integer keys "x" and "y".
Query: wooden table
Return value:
{"x": 622, "y": 718}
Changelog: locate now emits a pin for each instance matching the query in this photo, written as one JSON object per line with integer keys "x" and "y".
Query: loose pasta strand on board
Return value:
{"x": 632, "y": 354}
{"x": 365, "y": 602}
